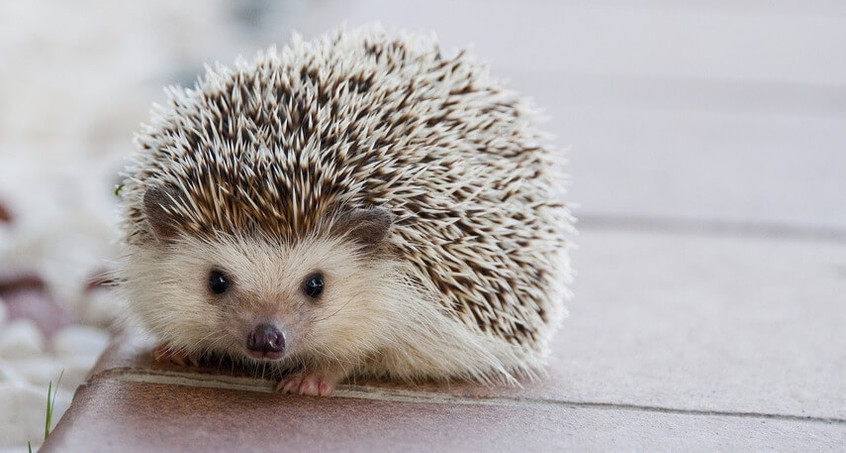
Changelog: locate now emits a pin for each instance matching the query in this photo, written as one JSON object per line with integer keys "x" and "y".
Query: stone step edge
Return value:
{"x": 366, "y": 392}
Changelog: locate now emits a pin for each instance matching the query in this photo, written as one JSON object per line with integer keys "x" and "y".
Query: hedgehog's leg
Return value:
{"x": 312, "y": 382}
{"x": 163, "y": 353}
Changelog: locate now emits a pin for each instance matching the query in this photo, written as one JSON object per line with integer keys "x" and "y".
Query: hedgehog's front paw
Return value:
{"x": 308, "y": 383}
{"x": 163, "y": 353}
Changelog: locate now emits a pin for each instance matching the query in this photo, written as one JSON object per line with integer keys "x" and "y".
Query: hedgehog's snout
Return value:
{"x": 266, "y": 341}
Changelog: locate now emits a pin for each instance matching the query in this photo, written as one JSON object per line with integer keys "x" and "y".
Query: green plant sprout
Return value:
{"x": 51, "y": 402}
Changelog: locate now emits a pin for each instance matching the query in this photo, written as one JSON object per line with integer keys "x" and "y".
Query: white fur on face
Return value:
{"x": 168, "y": 292}
{"x": 369, "y": 319}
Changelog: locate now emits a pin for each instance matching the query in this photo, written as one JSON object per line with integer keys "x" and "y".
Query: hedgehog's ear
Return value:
{"x": 158, "y": 204}
{"x": 368, "y": 227}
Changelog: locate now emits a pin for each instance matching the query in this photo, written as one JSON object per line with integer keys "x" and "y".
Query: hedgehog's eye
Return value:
{"x": 218, "y": 282}
{"x": 313, "y": 285}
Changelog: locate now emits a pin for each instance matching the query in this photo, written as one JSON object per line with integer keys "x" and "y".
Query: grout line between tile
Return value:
{"x": 192, "y": 380}
{"x": 659, "y": 224}
{"x": 420, "y": 397}
{"x": 705, "y": 412}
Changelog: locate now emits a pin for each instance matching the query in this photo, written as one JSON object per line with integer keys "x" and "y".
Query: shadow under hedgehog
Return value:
{"x": 357, "y": 205}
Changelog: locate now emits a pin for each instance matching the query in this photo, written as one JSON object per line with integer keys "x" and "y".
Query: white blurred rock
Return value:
{"x": 38, "y": 370}
{"x": 19, "y": 448}
{"x": 20, "y": 338}
{"x": 76, "y": 340}
{"x": 4, "y": 311}
{"x": 74, "y": 371}
{"x": 23, "y": 421}
{"x": 97, "y": 308}
{"x": 8, "y": 372}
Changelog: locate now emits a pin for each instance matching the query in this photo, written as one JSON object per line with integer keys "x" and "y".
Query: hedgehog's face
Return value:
{"x": 257, "y": 299}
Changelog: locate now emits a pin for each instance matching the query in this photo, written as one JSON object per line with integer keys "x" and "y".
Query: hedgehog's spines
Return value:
{"x": 362, "y": 120}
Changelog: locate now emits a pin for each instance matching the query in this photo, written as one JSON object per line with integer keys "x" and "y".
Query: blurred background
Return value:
{"x": 726, "y": 116}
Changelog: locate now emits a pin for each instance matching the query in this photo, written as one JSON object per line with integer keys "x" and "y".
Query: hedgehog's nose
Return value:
{"x": 266, "y": 341}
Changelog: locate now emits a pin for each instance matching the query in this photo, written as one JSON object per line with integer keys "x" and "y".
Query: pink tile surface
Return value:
{"x": 113, "y": 415}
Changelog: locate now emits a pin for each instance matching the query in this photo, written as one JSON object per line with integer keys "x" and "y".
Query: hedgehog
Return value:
{"x": 354, "y": 206}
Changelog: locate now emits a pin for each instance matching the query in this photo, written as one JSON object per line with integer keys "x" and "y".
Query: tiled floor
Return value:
{"x": 132, "y": 407}
{"x": 157, "y": 417}
{"x": 677, "y": 341}
{"x": 707, "y": 154}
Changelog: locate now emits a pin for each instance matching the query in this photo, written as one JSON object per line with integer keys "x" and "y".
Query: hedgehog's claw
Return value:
{"x": 163, "y": 353}
{"x": 308, "y": 384}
